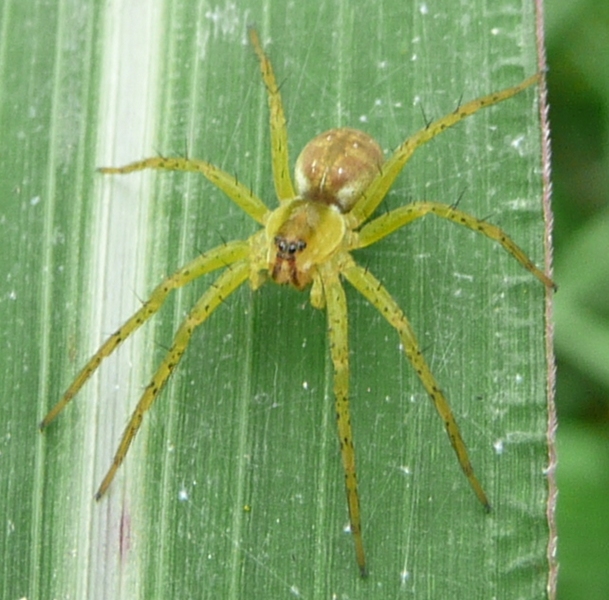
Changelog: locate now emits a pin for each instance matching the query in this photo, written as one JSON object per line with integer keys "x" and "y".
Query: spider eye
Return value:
{"x": 288, "y": 248}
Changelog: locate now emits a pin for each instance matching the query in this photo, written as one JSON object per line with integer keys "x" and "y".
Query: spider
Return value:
{"x": 341, "y": 177}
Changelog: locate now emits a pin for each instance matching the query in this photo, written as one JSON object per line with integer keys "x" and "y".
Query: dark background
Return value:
{"x": 577, "y": 35}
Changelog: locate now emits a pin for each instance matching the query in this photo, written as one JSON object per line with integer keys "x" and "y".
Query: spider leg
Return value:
{"x": 240, "y": 194}
{"x": 225, "y": 285}
{"x": 386, "y": 224}
{"x": 209, "y": 261}
{"x": 393, "y": 166}
{"x": 279, "y": 134}
{"x": 374, "y": 291}
{"x": 336, "y": 306}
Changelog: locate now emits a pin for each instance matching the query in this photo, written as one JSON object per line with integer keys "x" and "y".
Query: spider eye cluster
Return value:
{"x": 337, "y": 166}
{"x": 287, "y": 248}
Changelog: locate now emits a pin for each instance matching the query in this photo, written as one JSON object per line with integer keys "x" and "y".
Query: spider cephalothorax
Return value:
{"x": 341, "y": 178}
{"x": 331, "y": 173}
{"x": 301, "y": 235}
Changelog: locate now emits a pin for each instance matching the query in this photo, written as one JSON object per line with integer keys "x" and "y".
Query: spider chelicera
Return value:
{"x": 341, "y": 177}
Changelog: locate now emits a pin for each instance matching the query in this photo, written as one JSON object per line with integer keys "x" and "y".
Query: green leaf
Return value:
{"x": 233, "y": 487}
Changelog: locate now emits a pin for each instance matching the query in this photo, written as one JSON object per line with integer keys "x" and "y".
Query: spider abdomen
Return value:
{"x": 336, "y": 166}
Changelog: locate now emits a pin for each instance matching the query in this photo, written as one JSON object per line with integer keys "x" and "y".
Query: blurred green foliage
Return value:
{"x": 578, "y": 57}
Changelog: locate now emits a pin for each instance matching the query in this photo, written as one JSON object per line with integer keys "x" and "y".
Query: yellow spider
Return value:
{"x": 341, "y": 178}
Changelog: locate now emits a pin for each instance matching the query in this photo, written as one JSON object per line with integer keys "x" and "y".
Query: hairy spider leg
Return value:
{"x": 386, "y": 224}
{"x": 240, "y": 194}
{"x": 374, "y": 291}
{"x": 236, "y": 191}
{"x": 279, "y": 134}
{"x": 224, "y": 286}
{"x": 338, "y": 336}
{"x": 332, "y": 296}
{"x": 378, "y": 189}
{"x": 217, "y": 258}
